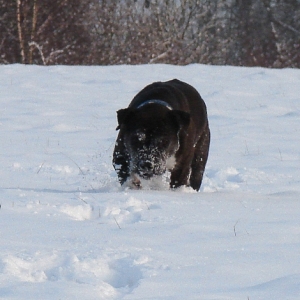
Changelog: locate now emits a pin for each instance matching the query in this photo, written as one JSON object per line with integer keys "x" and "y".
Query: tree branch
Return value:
{"x": 286, "y": 26}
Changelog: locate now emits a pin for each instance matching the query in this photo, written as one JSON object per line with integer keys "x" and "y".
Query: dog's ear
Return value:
{"x": 181, "y": 118}
{"x": 123, "y": 116}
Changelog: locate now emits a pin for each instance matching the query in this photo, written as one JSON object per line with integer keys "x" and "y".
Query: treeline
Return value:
{"x": 104, "y": 32}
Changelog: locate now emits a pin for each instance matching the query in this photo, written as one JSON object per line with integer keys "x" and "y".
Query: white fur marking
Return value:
{"x": 170, "y": 162}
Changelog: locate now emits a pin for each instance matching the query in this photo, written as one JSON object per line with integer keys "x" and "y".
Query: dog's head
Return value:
{"x": 151, "y": 137}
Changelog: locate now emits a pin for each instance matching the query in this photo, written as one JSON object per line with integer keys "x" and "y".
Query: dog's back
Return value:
{"x": 179, "y": 95}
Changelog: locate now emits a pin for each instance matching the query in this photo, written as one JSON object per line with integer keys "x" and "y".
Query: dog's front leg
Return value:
{"x": 180, "y": 176}
{"x": 121, "y": 160}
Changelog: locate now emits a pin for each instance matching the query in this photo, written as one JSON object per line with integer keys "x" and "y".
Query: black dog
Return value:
{"x": 165, "y": 127}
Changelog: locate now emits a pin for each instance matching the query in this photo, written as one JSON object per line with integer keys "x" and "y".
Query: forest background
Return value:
{"x": 100, "y": 32}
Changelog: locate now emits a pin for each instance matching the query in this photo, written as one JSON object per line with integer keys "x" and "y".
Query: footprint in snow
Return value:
{"x": 105, "y": 273}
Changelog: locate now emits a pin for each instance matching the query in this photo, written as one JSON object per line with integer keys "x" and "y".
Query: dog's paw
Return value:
{"x": 136, "y": 185}
{"x": 133, "y": 182}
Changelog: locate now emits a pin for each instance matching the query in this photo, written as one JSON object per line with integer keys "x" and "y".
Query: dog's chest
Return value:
{"x": 170, "y": 162}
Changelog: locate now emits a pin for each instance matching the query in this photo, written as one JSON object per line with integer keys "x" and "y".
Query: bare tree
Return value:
{"x": 285, "y": 22}
{"x": 147, "y": 31}
{"x": 9, "y": 50}
{"x": 45, "y": 31}
{"x": 234, "y": 32}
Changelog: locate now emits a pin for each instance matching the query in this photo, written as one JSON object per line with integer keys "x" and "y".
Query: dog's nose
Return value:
{"x": 145, "y": 165}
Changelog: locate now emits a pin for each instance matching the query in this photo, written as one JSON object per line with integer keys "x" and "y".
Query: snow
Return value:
{"x": 69, "y": 231}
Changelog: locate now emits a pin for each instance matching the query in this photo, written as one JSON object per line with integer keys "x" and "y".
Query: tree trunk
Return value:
{"x": 33, "y": 29}
{"x": 20, "y": 31}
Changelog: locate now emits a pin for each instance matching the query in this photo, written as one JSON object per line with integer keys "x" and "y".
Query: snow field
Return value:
{"x": 69, "y": 231}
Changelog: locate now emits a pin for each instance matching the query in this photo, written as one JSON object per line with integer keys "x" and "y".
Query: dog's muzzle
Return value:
{"x": 145, "y": 169}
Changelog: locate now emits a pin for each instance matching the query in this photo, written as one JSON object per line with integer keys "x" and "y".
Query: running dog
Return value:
{"x": 164, "y": 128}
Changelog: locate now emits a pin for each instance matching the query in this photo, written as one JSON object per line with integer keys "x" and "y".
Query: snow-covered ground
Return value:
{"x": 68, "y": 231}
